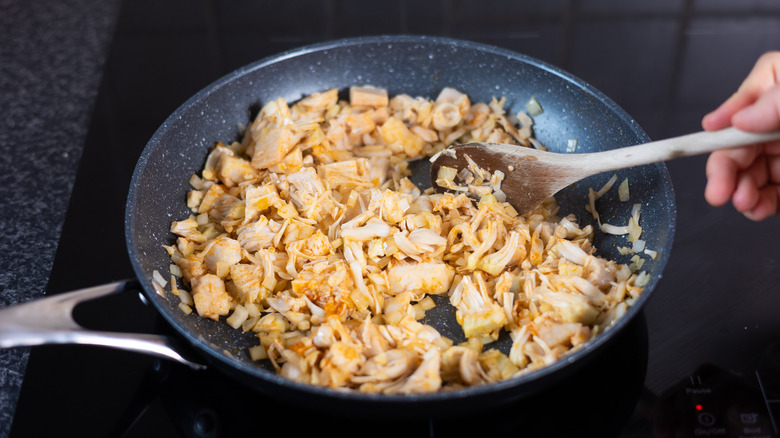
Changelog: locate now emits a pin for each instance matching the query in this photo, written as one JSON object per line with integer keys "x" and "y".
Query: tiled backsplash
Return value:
{"x": 663, "y": 61}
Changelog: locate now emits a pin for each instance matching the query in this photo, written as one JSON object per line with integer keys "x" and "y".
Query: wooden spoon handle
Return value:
{"x": 676, "y": 147}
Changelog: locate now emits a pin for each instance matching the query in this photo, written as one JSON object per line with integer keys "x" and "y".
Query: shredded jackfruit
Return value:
{"x": 309, "y": 233}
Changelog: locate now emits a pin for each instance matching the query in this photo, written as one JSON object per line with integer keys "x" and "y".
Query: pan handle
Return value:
{"x": 50, "y": 321}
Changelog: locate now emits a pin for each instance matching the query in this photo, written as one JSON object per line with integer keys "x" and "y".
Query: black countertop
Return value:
{"x": 666, "y": 63}
{"x": 51, "y": 60}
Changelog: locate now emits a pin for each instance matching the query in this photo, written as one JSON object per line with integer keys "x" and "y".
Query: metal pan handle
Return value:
{"x": 50, "y": 321}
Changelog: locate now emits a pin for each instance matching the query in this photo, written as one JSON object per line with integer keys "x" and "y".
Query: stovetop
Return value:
{"x": 702, "y": 359}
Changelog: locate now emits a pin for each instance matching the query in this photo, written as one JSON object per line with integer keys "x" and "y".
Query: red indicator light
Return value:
{"x": 698, "y": 407}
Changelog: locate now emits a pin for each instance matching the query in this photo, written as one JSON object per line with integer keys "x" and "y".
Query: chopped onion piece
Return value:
{"x": 427, "y": 303}
{"x": 537, "y": 144}
{"x": 533, "y": 107}
{"x": 524, "y": 119}
{"x": 637, "y": 263}
{"x": 239, "y": 315}
{"x": 591, "y": 205}
{"x": 175, "y": 270}
{"x": 623, "y": 193}
{"x": 606, "y": 186}
{"x": 258, "y": 352}
{"x": 613, "y": 229}
{"x": 571, "y": 145}
{"x": 185, "y": 308}
{"x": 447, "y": 173}
{"x": 185, "y": 297}
{"x": 642, "y": 279}
{"x": 159, "y": 278}
{"x": 634, "y": 229}
{"x": 253, "y": 309}
{"x": 159, "y": 289}
{"x": 250, "y": 323}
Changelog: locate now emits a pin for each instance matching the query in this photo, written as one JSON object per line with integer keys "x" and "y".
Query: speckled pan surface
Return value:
{"x": 419, "y": 66}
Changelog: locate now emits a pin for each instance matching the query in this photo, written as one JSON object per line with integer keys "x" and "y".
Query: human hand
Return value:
{"x": 748, "y": 176}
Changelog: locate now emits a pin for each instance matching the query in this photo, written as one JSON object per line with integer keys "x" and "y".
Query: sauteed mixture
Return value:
{"x": 309, "y": 233}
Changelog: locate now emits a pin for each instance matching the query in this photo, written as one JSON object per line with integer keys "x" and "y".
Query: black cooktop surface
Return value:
{"x": 700, "y": 361}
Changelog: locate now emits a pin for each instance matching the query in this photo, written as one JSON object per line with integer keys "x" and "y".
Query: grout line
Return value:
{"x": 330, "y": 19}
{"x": 672, "y": 96}
{"x": 448, "y": 14}
{"x": 763, "y": 393}
{"x": 567, "y": 21}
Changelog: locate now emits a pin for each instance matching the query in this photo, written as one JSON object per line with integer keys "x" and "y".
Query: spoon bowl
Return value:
{"x": 531, "y": 175}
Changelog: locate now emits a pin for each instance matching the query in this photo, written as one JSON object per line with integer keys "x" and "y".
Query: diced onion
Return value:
{"x": 253, "y": 309}
{"x": 175, "y": 270}
{"x": 185, "y": 297}
{"x": 533, "y": 107}
{"x": 613, "y": 229}
{"x": 537, "y": 144}
{"x": 258, "y": 352}
{"x": 159, "y": 278}
{"x": 447, "y": 173}
{"x": 637, "y": 262}
{"x": 249, "y": 324}
{"x": 427, "y": 303}
{"x": 238, "y": 317}
{"x": 185, "y": 308}
{"x": 571, "y": 145}
{"x": 634, "y": 229}
{"x": 419, "y": 312}
{"x": 605, "y": 188}
{"x": 159, "y": 289}
{"x": 524, "y": 119}
{"x": 623, "y": 193}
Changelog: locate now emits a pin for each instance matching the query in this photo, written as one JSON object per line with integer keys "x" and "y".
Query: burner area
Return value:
{"x": 716, "y": 402}
{"x": 207, "y": 404}
{"x": 713, "y": 401}
{"x": 144, "y": 397}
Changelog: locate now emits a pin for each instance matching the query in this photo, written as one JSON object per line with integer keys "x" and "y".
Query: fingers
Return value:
{"x": 723, "y": 169}
{"x": 773, "y": 163}
{"x": 750, "y": 182}
{"x": 749, "y": 176}
{"x": 761, "y": 116}
{"x": 721, "y": 117}
{"x": 766, "y": 205}
{"x": 721, "y": 178}
{"x": 764, "y": 76}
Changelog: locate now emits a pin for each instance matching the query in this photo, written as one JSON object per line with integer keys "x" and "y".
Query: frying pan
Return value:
{"x": 418, "y": 66}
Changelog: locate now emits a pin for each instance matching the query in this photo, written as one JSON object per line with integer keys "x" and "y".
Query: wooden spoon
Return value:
{"x": 532, "y": 175}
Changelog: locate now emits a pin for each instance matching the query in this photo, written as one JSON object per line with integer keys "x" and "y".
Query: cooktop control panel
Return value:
{"x": 714, "y": 402}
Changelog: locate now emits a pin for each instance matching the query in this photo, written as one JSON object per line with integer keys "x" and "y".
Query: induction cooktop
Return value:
{"x": 700, "y": 361}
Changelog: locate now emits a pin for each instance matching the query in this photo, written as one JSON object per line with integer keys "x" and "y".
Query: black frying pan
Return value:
{"x": 419, "y": 66}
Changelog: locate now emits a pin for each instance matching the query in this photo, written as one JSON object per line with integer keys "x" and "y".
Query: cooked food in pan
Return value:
{"x": 309, "y": 233}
